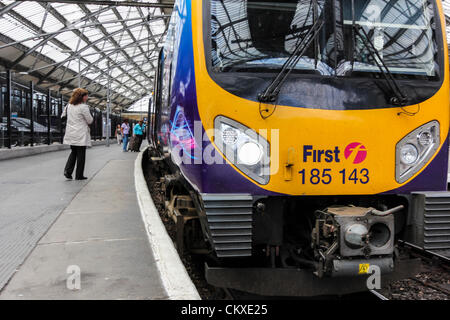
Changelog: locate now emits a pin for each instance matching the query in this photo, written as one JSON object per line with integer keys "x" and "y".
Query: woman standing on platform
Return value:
{"x": 78, "y": 134}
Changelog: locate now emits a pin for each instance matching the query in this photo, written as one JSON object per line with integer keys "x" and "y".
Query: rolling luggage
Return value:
{"x": 134, "y": 144}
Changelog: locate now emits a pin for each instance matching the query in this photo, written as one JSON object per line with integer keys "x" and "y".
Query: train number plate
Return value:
{"x": 326, "y": 176}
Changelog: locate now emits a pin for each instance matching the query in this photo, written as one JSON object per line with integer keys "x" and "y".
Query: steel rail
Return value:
{"x": 378, "y": 295}
{"x": 425, "y": 252}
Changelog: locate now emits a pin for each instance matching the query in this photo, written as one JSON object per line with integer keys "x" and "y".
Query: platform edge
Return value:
{"x": 174, "y": 277}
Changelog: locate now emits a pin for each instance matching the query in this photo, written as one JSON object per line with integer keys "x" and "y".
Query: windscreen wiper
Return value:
{"x": 398, "y": 97}
{"x": 270, "y": 94}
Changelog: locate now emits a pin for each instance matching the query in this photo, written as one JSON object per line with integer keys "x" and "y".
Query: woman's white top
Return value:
{"x": 79, "y": 118}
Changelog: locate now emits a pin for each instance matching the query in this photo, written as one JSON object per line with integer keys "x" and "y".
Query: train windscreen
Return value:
{"x": 355, "y": 38}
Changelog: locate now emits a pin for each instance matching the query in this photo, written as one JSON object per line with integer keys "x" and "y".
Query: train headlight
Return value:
{"x": 230, "y": 135}
{"x": 243, "y": 147}
{"x": 250, "y": 153}
{"x": 416, "y": 149}
{"x": 425, "y": 138}
{"x": 408, "y": 154}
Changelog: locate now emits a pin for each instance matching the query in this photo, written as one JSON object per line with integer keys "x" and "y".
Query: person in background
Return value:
{"x": 125, "y": 133}
{"x": 78, "y": 134}
{"x": 119, "y": 134}
{"x": 138, "y": 131}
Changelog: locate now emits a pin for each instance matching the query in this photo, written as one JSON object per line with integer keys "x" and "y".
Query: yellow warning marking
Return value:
{"x": 363, "y": 268}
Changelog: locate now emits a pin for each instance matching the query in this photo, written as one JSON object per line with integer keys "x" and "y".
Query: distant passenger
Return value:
{"x": 118, "y": 134}
{"x": 138, "y": 131}
{"x": 78, "y": 134}
{"x": 125, "y": 134}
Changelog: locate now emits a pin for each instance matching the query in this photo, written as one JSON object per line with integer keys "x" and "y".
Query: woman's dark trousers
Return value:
{"x": 77, "y": 155}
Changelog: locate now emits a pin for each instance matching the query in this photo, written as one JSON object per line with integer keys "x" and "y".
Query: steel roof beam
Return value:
{"x": 167, "y": 5}
{"x": 85, "y": 70}
{"x": 92, "y": 44}
{"x": 101, "y": 75}
{"x": 32, "y": 26}
{"x": 58, "y": 16}
{"x": 35, "y": 28}
{"x": 50, "y": 37}
{"x": 83, "y": 56}
{"x": 63, "y": 30}
{"x": 8, "y": 8}
{"x": 103, "y": 30}
{"x": 119, "y": 17}
{"x": 149, "y": 30}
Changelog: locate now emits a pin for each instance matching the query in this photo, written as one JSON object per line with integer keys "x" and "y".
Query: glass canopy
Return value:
{"x": 65, "y": 44}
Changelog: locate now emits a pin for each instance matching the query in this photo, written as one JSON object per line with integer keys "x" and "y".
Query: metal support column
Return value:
{"x": 94, "y": 125}
{"x": 48, "y": 117}
{"x": 60, "y": 111}
{"x": 31, "y": 112}
{"x": 79, "y": 71}
{"x": 8, "y": 109}
{"x": 108, "y": 107}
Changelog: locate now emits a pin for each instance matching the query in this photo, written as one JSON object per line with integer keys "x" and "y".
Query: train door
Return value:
{"x": 150, "y": 120}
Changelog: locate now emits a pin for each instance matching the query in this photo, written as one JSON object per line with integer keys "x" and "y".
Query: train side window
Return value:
{"x": 165, "y": 86}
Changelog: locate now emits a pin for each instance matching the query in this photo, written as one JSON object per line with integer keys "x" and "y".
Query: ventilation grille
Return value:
{"x": 436, "y": 221}
{"x": 230, "y": 223}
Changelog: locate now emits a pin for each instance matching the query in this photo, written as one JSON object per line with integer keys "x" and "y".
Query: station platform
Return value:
{"x": 49, "y": 226}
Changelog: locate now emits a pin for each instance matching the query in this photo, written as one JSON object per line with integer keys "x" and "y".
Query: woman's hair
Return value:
{"x": 77, "y": 96}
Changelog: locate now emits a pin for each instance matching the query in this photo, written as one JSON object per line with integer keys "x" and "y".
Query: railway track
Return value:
{"x": 427, "y": 254}
{"x": 232, "y": 294}
{"x": 378, "y": 295}
{"x": 433, "y": 278}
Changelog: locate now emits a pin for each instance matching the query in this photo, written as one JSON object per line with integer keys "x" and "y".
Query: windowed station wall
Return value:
{"x": 35, "y": 116}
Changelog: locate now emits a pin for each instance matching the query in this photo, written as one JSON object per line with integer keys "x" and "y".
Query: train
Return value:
{"x": 304, "y": 139}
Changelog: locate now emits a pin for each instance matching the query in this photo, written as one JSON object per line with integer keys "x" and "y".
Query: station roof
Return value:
{"x": 49, "y": 41}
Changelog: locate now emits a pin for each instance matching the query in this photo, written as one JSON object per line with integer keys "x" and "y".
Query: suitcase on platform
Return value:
{"x": 133, "y": 145}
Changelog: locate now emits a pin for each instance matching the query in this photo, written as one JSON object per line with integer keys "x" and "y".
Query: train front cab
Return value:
{"x": 345, "y": 171}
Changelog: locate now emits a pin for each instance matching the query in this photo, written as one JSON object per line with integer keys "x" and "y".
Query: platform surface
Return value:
{"x": 93, "y": 226}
